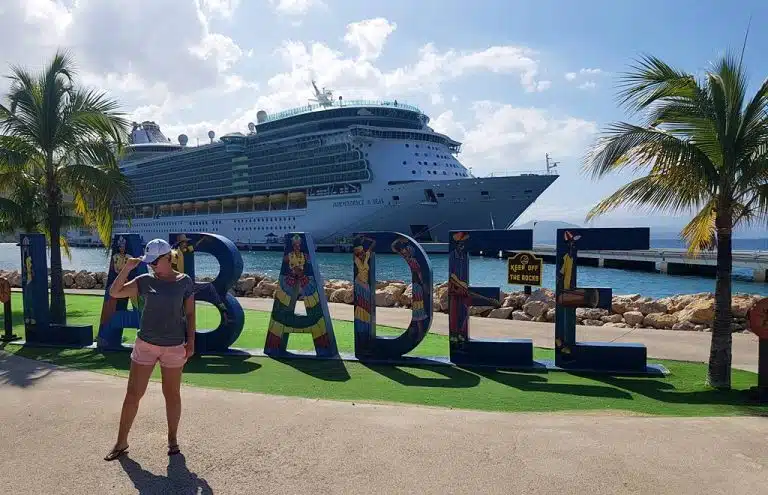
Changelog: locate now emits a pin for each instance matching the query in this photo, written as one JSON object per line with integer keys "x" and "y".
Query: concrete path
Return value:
{"x": 58, "y": 424}
{"x": 661, "y": 344}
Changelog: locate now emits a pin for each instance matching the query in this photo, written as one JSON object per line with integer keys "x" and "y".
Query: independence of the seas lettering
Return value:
{"x": 358, "y": 202}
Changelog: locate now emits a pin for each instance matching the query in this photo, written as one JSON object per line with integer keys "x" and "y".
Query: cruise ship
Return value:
{"x": 330, "y": 168}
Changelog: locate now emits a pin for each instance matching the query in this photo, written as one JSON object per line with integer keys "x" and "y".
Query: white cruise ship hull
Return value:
{"x": 461, "y": 204}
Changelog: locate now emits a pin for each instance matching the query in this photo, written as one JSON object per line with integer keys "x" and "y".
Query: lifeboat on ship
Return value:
{"x": 187, "y": 205}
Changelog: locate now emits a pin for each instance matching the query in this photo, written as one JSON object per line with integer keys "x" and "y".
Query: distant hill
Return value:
{"x": 545, "y": 231}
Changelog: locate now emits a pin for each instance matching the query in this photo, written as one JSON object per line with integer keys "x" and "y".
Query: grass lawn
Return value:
{"x": 682, "y": 393}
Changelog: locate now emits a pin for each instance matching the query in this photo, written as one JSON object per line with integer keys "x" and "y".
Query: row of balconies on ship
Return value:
{"x": 264, "y": 202}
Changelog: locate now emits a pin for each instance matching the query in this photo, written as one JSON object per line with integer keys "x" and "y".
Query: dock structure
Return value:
{"x": 666, "y": 260}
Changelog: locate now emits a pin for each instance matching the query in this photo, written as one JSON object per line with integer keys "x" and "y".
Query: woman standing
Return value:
{"x": 166, "y": 334}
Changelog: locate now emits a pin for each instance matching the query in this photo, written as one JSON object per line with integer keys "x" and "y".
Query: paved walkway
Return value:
{"x": 58, "y": 424}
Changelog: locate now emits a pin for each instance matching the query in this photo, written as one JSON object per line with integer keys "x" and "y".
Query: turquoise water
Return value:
{"x": 483, "y": 272}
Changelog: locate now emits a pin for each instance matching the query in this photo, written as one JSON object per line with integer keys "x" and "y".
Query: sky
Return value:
{"x": 512, "y": 80}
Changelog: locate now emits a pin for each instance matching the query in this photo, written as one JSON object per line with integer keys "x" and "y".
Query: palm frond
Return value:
{"x": 699, "y": 233}
{"x": 651, "y": 80}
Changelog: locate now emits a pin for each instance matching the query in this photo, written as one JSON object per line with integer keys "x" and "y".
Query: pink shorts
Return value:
{"x": 145, "y": 353}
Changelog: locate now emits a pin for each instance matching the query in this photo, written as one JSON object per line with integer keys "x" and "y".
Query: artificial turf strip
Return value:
{"x": 682, "y": 393}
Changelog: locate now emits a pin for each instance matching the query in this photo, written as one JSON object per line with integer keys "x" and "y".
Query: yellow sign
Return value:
{"x": 525, "y": 269}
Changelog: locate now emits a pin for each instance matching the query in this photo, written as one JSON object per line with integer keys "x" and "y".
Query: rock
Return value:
{"x": 633, "y": 318}
{"x": 659, "y": 320}
{"x": 550, "y": 317}
{"x": 544, "y": 295}
{"x": 651, "y": 307}
{"x": 593, "y": 323}
{"x": 480, "y": 310}
{"x": 520, "y": 316}
{"x": 619, "y": 324}
{"x": 384, "y": 298}
{"x": 535, "y": 308}
{"x": 595, "y": 313}
{"x": 84, "y": 280}
{"x": 14, "y": 278}
{"x": 406, "y": 298}
{"x": 612, "y": 319}
{"x": 740, "y": 304}
{"x": 701, "y": 311}
{"x": 501, "y": 313}
{"x": 244, "y": 286}
{"x": 265, "y": 288}
{"x": 684, "y": 325}
{"x": 516, "y": 300}
{"x": 620, "y": 305}
{"x": 69, "y": 280}
{"x": 396, "y": 290}
{"x": 329, "y": 292}
{"x": 344, "y": 296}
{"x": 700, "y": 328}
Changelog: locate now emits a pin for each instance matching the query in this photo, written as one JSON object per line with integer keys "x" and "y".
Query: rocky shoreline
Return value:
{"x": 680, "y": 312}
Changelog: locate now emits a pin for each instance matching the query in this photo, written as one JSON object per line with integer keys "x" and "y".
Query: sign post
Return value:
{"x": 5, "y": 299}
{"x": 758, "y": 324}
{"x": 525, "y": 269}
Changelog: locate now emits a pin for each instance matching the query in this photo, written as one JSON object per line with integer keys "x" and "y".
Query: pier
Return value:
{"x": 666, "y": 260}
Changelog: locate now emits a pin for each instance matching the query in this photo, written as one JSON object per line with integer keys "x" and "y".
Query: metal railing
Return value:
{"x": 344, "y": 103}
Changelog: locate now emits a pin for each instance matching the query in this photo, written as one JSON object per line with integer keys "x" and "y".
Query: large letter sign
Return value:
{"x": 115, "y": 315}
{"x": 217, "y": 292}
{"x": 34, "y": 286}
{"x": 465, "y": 350}
{"x": 300, "y": 278}
{"x": 591, "y": 355}
{"x": 367, "y": 344}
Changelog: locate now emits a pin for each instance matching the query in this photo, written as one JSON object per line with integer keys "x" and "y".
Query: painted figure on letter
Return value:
{"x": 419, "y": 314}
{"x": 362, "y": 257}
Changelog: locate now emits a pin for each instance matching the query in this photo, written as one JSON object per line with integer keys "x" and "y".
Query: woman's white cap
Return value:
{"x": 155, "y": 249}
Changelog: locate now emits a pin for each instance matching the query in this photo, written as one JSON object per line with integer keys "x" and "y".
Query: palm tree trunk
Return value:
{"x": 719, "y": 375}
{"x": 58, "y": 306}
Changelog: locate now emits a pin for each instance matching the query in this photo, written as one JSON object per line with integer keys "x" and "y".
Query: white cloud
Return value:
{"x": 570, "y": 76}
{"x": 369, "y": 36}
{"x": 590, "y": 71}
{"x": 219, "y": 8}
{"x": 294, "y": 7}
{"x": 588, "y": 85}
{"x": 219, "y": 48}
{"x": 503, "y": 138}
{"x": 583, "y": 73}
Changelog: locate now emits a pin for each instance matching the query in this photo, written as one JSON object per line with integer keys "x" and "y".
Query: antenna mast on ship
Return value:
{"x": 324, "y": 97}
{"x": 551, "y": 166}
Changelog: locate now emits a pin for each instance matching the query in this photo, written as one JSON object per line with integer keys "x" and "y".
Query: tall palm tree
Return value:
{"x": 57, "y": 138}
{"x": 704, "y": 148}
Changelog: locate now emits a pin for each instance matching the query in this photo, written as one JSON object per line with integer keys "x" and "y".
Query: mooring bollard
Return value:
{"x": 758, "y": 324}
{"x": 5, "y": 299}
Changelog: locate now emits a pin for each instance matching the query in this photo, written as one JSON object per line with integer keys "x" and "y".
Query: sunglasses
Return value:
{"x": 154, "y": 263}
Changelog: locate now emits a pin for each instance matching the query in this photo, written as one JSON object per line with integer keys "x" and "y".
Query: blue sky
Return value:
{"x": 511, "y": 79}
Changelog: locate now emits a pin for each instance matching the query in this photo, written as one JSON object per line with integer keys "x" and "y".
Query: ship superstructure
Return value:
{"x": 330, "y": 168}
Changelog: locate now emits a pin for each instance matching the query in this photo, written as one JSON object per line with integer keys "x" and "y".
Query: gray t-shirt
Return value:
{"x": 163, "y": 321}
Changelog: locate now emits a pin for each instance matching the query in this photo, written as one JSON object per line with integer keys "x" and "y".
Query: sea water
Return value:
{"x": 482, "y": 271}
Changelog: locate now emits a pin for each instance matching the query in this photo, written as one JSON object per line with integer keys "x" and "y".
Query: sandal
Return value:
{"x": 173, "y": 449}
{"x": 115, "y": 454}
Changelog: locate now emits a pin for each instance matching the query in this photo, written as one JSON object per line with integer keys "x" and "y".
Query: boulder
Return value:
{"x": 344, "y": 296}
{"x": 515, "y": 300}
{"x": 592, "y": 323}
{"x": 619, "y": 324}
{"x": 650, "y": 307}
{"x": 544, "y": 295}
{"x": 501, "y": 313}
{"x": 520, "y": 316}
{"x": 480, "y": 310}
{"x": 659, "y": 320}
{"x": 550, "y": 316}
{"x": 245, "y": 285}
{"x": 620, "y": 305}
{"x": 535, "y": 308}
{"x": 595, "y": 313}
{"x": 683, "y": 325}
{"x": 633, "y": 318}
{"x": 740, "y": 304}
{"x": 700, "y": 311}
{"x": 69, "y": 280}
{"x": 84, "y": 280}
{"x": 406, "y": 298}
{"x": 611, "y": 319}
{"x": 265, "y": 288}
{"x": 385, "y": 298}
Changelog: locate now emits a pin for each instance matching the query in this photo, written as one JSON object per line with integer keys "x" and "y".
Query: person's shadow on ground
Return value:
{"x": 178, "y": 480}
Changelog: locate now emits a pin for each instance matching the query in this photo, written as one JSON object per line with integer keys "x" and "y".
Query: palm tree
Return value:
{"x": 704, "y": 148}
{"x": 57, "y": 138}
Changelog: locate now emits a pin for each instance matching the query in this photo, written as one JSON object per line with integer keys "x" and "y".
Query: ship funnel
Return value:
{"x": 261, "y": 116}
{"x": 183, "y": 139}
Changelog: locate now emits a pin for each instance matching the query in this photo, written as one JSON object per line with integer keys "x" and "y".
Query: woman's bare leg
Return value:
{"x": 137, "y": 385}
{"x": 172, "y": 393}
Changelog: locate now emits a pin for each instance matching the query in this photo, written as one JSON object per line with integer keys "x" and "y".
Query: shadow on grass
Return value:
{"x": 528, "y": 382}
{"x": 179, "y": 478}
{"x": 452, "y": 377}
{"x": 329, "y": 370}
{"x": 667, "y": 393}
{"x": 230, "y": 364}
